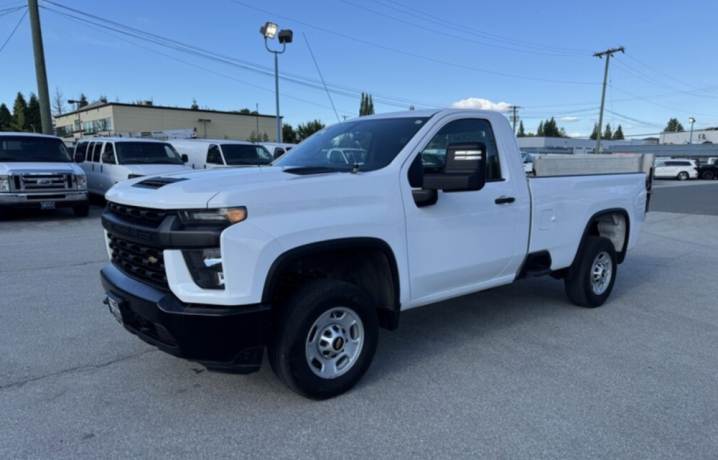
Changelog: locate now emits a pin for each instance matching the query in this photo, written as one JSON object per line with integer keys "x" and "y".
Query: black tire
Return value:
{"x": 682, "y": 175}
{"x": 591, "y": 280}
{"x": 295, "y": 337}
{"x": 82, "y": 210}
{"x": 707, "y": 175}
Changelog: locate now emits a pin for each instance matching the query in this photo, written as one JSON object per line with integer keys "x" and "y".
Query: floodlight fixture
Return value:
{"x": 269, "y": 30}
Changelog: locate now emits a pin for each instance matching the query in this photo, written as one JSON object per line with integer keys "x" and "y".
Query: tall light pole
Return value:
{"x": 691, "y": 120}
{"x": 269, "y": 30}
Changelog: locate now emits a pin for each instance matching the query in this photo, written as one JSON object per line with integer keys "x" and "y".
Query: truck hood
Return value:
{"x": 39, "y": 167}
{"x": 153, "y": 170}
{"x": 195, "y": 188}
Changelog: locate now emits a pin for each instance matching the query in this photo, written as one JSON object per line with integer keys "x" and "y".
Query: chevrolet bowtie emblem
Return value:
{"x": 152, "y": 260}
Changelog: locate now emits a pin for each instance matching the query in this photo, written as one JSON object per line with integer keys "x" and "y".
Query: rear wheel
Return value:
{"x": 682, "y": 175}
{"x": 594, "y": 274}
{"x": 707, "y": 175}
{"x": 82, "y": 210}
{"x": 323, "y": 339}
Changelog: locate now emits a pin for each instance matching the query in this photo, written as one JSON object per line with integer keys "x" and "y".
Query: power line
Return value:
{"x": 13, "y": 31}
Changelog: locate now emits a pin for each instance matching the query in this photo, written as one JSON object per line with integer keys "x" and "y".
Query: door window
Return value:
{"x": 214, "y": 157}
{"x": 96, "y": 152}
{"x": 433, "y": 157}
{"x": 108, "y": 155}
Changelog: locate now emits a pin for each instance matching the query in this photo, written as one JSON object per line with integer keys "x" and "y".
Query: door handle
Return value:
{"x": 504, "y": 200}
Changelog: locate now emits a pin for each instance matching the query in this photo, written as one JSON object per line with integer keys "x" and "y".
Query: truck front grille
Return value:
{"x": 144, "y": 216}
{"x": 42, "y": 182}
{"x": 139, "y": 261}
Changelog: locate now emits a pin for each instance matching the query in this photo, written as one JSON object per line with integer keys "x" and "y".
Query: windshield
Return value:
{"x": 240, "y": 154}
{"x": 33, "y": 149}
{"x": 156, "y": 153}
{"x": 365, "y": 145}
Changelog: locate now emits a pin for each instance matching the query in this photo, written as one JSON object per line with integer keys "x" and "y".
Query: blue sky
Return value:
{"x": 537, "y": 55}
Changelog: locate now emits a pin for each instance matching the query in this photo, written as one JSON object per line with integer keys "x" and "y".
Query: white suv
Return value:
{"x": 676, "y": 169}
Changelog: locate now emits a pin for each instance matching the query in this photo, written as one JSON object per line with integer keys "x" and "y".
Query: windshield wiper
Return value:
{"x": 306, "y": 170}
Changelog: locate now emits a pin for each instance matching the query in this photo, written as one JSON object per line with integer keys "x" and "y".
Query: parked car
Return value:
{"x": 108, "y": 161}
{"x": 709, "y": 171}
{"x": 528, "y": 162}
{"x": 676, "y": 169}
{"x": 310, "y": 257}
{"x": 215, "y": 153}
{"x": 277, "y": 149}
{"x": 37, "y": 171}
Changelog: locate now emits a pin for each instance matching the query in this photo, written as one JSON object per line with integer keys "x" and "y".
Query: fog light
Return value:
{"x": 205, "y": 265}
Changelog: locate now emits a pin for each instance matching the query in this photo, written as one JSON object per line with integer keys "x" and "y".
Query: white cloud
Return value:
{"x": 575, "y": 135}
{"x": 569, "y": 119}
{"x": 482, "y": 104}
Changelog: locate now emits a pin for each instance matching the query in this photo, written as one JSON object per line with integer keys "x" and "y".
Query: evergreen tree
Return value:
{"x": 594, "y": 133}
{"x": 550, "y": 128}
{"x": 539, "y": 130}
{"x": 5, "y": 118}
{"x": 366, "y": 106}
{"x": 673, "y": 126}
{"x": 103, "y": 99}
{"x": 34, "y": 119}
{"x": 19, "y": 114}
{"x": 522, "y": 131}
{"x": 289, "y": 135}
{"x": 194, "y": 105}
{"x": 370, "y": 106}
{"x": 309, "y": 128}
{"x": 607, "y": 133}
{"x": 83, "y": 100}
{"x": 265, "y": 137}
{"x": 618, "y": 134}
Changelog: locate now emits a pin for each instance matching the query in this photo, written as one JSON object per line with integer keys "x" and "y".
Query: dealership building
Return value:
{"x": 142, "y": 120}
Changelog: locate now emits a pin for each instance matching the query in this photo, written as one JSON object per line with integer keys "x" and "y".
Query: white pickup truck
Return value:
{"x": 310, "y": 256}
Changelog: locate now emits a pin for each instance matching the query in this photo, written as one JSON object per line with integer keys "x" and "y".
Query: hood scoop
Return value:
{"x": 158, "y": 182}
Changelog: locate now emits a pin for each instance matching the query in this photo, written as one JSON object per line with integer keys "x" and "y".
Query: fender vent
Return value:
{"x": 158, "y": 182}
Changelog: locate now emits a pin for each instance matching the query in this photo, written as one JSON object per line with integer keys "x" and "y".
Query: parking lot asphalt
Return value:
{"x": 515, "y": 372}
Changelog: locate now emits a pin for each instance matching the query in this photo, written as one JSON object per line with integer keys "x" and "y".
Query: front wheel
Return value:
{"x": 682, "y": 175}
{"x": 594, "y": 275}
{"x": 323, "y": 339}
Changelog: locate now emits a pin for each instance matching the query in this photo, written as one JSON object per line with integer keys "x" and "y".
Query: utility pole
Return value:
{"x": 608, "y": 54}
{"x": 43, "y": 94}
{"x": 515, "y": 115}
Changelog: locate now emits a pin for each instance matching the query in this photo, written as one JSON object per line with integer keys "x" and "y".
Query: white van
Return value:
{"x": 277, "y": 149}
{"x": 215, "y": 153}
{"x": 112, "y": 160}
{"x": 37, "y": 171}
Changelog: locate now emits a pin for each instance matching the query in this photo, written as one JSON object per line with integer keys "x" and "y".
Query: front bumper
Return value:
{"x": 221, "y": 339}
{"x": 63, "y": 199}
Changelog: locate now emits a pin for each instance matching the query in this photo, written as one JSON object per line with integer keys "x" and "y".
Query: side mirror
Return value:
{"x": 79, "y": 158}
{"x": 465, "y": 169}
{"x": 185, "y": 158}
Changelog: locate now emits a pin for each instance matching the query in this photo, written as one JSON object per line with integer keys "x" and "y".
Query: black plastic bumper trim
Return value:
{"x": 221, "y": 339}
{"x": 171, "y": 234}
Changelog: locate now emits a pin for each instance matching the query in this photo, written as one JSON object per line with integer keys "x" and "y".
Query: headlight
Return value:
{"x": 226, "y": 216}
{"x": 205, "y": 265}
{"x": 81, "y": 181}
{"x": 4, "y": 184}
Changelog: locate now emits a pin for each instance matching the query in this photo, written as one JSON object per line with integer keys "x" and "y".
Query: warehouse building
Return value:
{"x": 114, "y": 118}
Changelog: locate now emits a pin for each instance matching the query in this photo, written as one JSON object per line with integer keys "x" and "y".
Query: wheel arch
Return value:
{"x": 368, "y": 263}
{"x": 614, "y": 224}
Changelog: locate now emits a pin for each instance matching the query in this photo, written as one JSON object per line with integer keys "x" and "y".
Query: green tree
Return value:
{"x": 309, "y": 128}
{"x": 194, "y": 105}
{"x": 83, "y": 100}
{"x": 522, "y": 131}
{"x": 607, "y": 133}
{"x": 5, "y": 118}
{"x": 618, "y": 134}
{"x": 103, "y": 99}
{"x": 594, "y": 133}
{"x": 245, "y": 111}
{"x": 19, "y": 114}
{"x": 673, "y": 126}
{"x": 289, "y": 135}
{"x": 366, "y": 106}
{"x": 539, "y": 130}
{"x": 33, "y": 119}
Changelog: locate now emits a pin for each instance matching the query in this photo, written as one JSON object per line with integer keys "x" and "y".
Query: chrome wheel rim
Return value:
{"x": 334, "y": 342}
{"x": 601, "y": 271}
